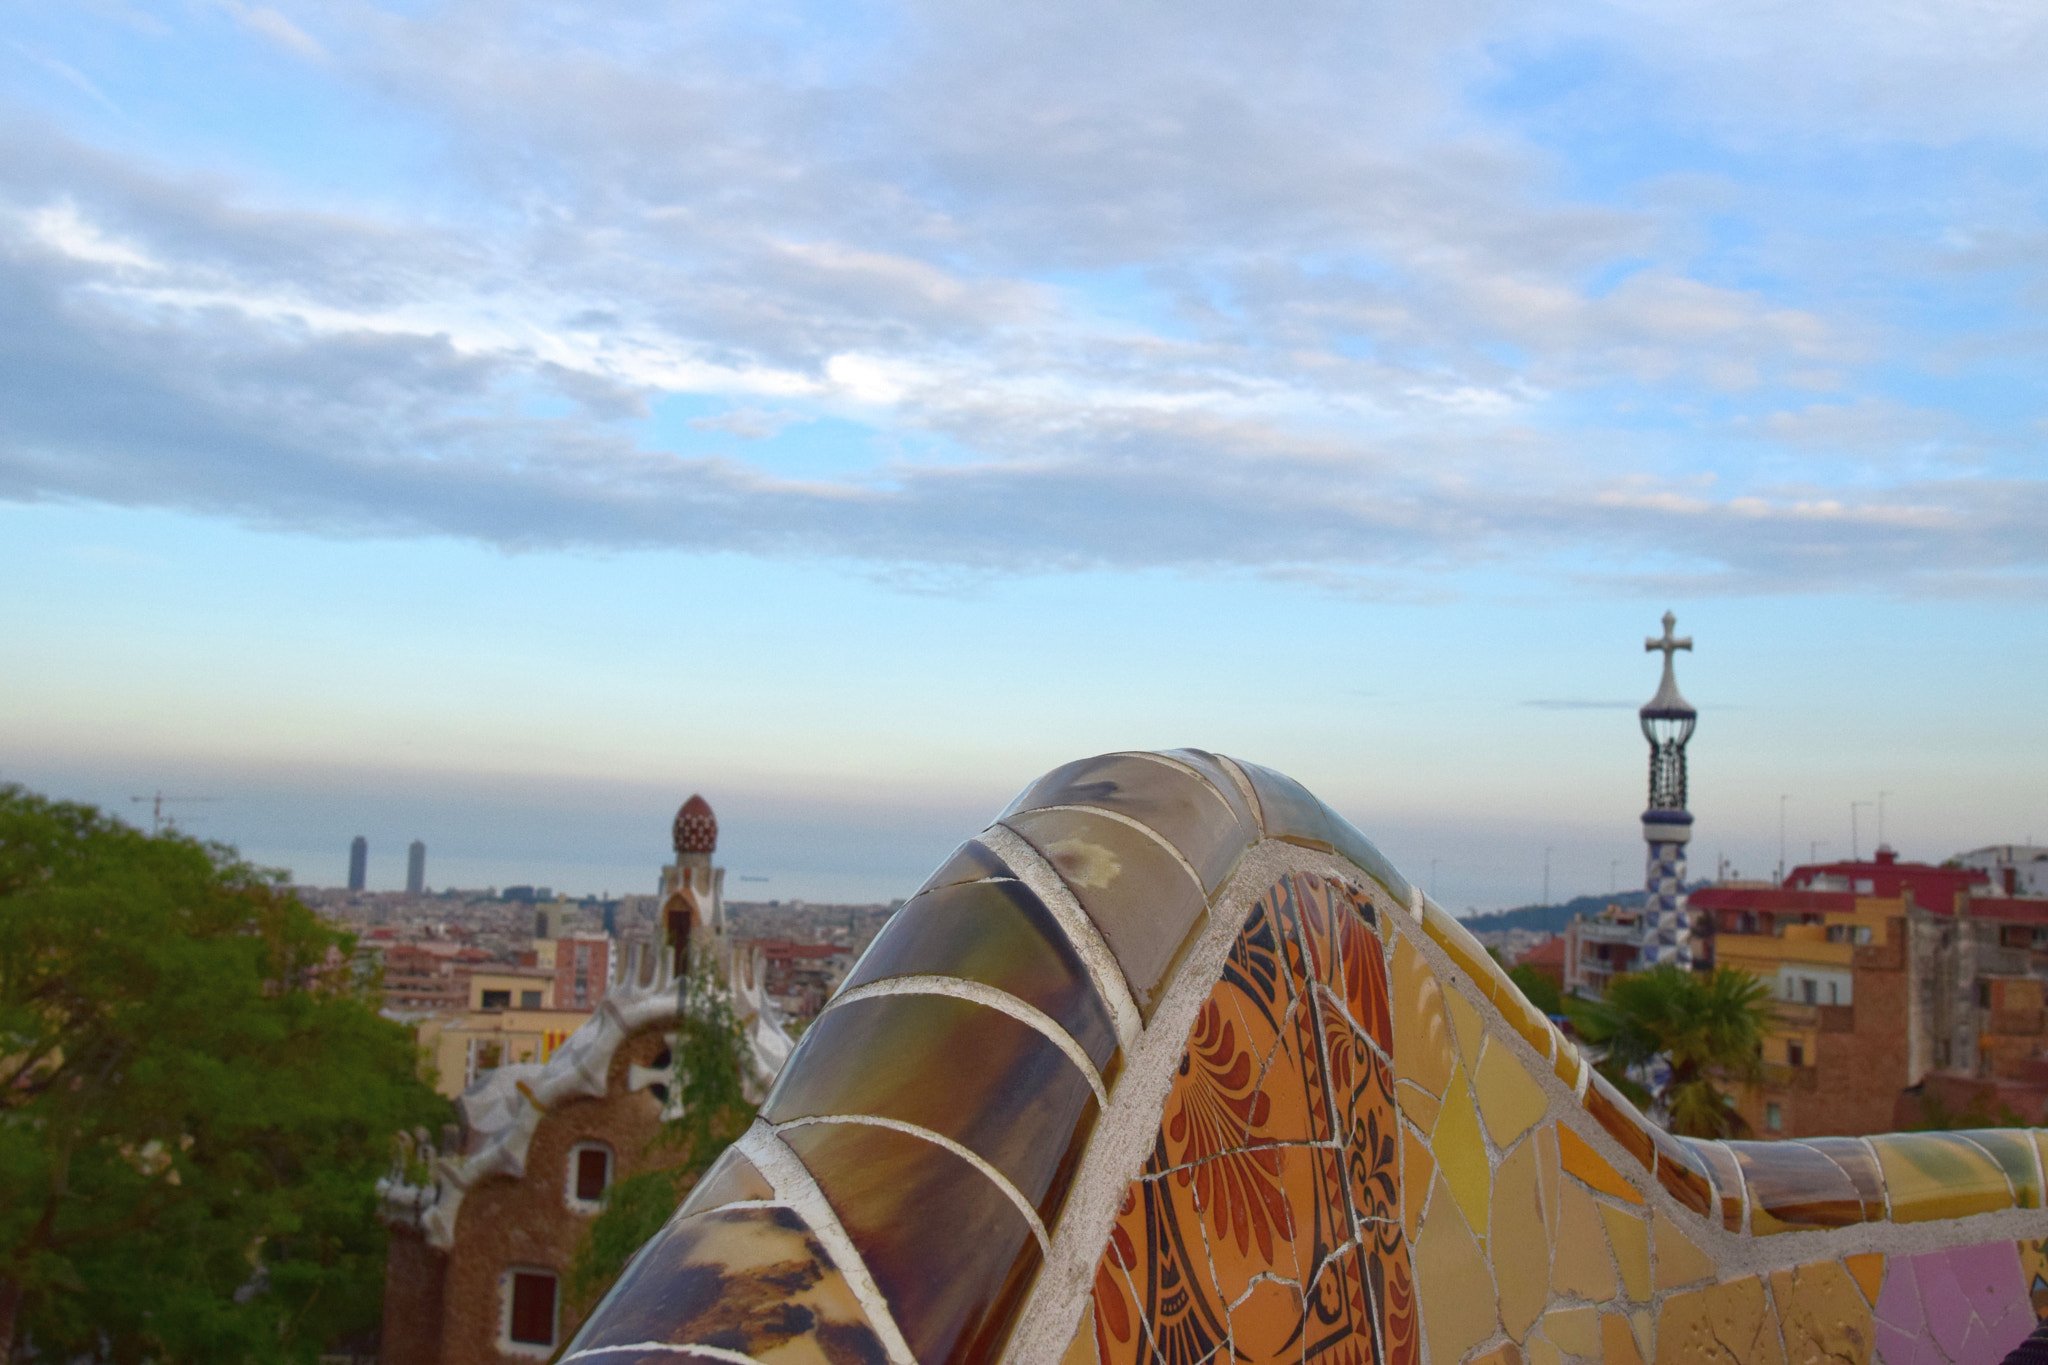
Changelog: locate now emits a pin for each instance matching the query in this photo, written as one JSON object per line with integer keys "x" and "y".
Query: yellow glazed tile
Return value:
{"x": 1630, "y": 1238}
{"x": 1578, "y": 1157}
{"x": 1510, "y": 1101}
{"x": 1719, "y": 1325}
{"x": 1418, "y": 1171}
{"x": 1679, "y": 1261}
{"x": 1643, "y": 1324}
{"x": 1542, "y": 1352}
{"x": 1460, "y": 1153}
{"x": 1521, "y": 1258}
{"x": 1868, "y": 1272}
{"x": 1618, "y": 1341}
{"x": 1575, "y": 1330}
{"x": 1937, "y": 1175}
{"x": 1548, "y": 1174}
{"x": 1081, "y": 1350}
{"x": 1452, "y": 1283}
{"x": 1418, "y": 1104}
{"x": 1424, "y": 1049}
{"x": 1822, "y": 1313}
{"x": 1569, "y": 1065}
{"x": 1470, "y": 1031}
{"x": 1581, "y": 1268}
{"x": 2014, "y": 1152}
{"x": 1507, "y": 1353}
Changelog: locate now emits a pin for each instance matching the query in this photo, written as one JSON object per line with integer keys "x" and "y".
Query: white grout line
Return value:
{"x": 712, "y": 1352}
{"x": 794, "y": 1186}
{"x": 981, "y": 993}
{"x": 1172, "y": 850}
{"x": 1036, "y": 872}
{"x": 967, "y": 1154}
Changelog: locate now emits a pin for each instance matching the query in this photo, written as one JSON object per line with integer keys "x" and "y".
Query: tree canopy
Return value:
{"x": 196, "y": 1097}
{"x": 1709, "y": 1028}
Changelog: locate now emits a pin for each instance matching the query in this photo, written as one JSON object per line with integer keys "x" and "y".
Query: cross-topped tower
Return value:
{"x": 1668, "y": 720}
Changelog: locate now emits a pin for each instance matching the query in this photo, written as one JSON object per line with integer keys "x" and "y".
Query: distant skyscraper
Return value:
{"x": 1667, "y": 720}
{"x": 416, "y": 869}
{"x": 358, "y": 863}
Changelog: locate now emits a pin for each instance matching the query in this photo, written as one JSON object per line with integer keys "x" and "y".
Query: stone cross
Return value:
{"x": 1668, "y": 644}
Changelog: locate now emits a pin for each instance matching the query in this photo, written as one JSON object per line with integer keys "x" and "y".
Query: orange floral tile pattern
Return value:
{"x": 1267, "y": 1225}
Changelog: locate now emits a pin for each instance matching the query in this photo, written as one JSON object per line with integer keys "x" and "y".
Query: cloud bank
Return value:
{"x": 1364, "y": 297}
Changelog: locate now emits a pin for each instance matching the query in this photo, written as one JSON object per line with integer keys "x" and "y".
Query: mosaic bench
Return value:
{"x": 1170, "y": 1065}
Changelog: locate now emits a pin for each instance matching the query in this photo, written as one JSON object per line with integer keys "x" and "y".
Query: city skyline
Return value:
{"x": 489, "y": 424}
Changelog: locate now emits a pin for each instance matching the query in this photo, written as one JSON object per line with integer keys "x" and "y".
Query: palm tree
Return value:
{"x": 1707, "y": 1026}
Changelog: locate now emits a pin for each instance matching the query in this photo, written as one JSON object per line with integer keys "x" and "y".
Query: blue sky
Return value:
{"x": 488, "y": 423}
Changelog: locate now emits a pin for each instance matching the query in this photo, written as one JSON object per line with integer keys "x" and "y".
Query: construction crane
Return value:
{"x": 156, "y": 806}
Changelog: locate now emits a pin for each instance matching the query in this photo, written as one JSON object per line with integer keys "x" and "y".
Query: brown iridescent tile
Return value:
{"x": 731, "y": 1180}
{"x": 949, "y": 1252}
{"x": 1291, "y": 813}
{"x": 1138, "y": 894}
{"x": 988, "y": 1081}
{"x": 755, "y": 1281}
{"x": 1727, "y": 1176}
{"x": 1000, "y": 934}
{"x": 1228, "y": 784}
{"x": 1184, "y": 809}
{"x": 1681, "y": 1171}
{"x": 1612, "y": 1111}
{"x": 1792, "y": 1186}
{"x": 971, "y": 862}
{"x": 1860, "y": 1165}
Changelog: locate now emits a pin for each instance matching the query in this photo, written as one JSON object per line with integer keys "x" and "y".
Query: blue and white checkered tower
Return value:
{"x": 1668, "y": 721}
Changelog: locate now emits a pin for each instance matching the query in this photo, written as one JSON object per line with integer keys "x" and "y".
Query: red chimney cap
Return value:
{"x": 696, "y": 828}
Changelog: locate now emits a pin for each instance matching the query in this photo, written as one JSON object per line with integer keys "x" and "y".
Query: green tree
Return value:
{"x": 1538, "y": 989}
{"x": 1708, "y": 1027}
{"x": 196, "y": 1098}
{"x": 714, "y": 1110}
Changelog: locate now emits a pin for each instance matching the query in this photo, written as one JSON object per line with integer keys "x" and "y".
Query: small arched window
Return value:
{"x": 589, "y": 1176}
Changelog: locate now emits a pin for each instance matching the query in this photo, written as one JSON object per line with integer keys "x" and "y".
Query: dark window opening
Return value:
{"x": 533, "y": 1308}
{"x": 1795, "y": 1054}
{"x": 593, "y": 1173}
{"x": 497, "y": 1000}
{"x": 529, "y": 1000}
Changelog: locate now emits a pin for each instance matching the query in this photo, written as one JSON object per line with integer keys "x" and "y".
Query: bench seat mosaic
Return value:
{"x": 1169, "y": 1066}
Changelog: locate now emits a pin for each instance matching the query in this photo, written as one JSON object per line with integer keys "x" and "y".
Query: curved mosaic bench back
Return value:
{"x": 1170, "y": 1065}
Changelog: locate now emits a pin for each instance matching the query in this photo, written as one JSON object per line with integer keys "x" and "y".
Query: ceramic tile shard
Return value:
{"x": 1822, "y": 1314}
{"x": 1580, "y": 1267}
{"x": 1184, "y": 809}
{"x": 2014, "y": 1152}
{"x": 1793, "y": 1186}
{"x": 1612, "y": 1111}
{"x": 1727, "y": 1175}
{"x": 950, "y": 1253}
{"x": 1024, "y": 1107}
{"x": 1000, "y": 934}
{"x": 973, "y": 861}
{"x": 1629, "y": 1237}
{"x": 1509, "y": 1100}
{"x": 1618, "y": 1344}
{"x": 1679, "y": 1260}
{"x": 731, "y": 1180}
{"x": 1520, "y": 1252}
{"x": 749, "y": 1280}
{"x": 1289, "y": 813}
{"x": 1859, "y": 1163}
{"x": 1425, "y": 1048}
{"x": 1460, "y": 1154}
{"x": 1939, "y": 1175}
{"x": 1453, "y": 1282}
{"x": 1724, "y": 1324}
{"x": 1135, "y": 891}
{"x": 1868, "y": 1272}
{"x": 1579, "y": 1158}
{"x": 1576, "y": 1331}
